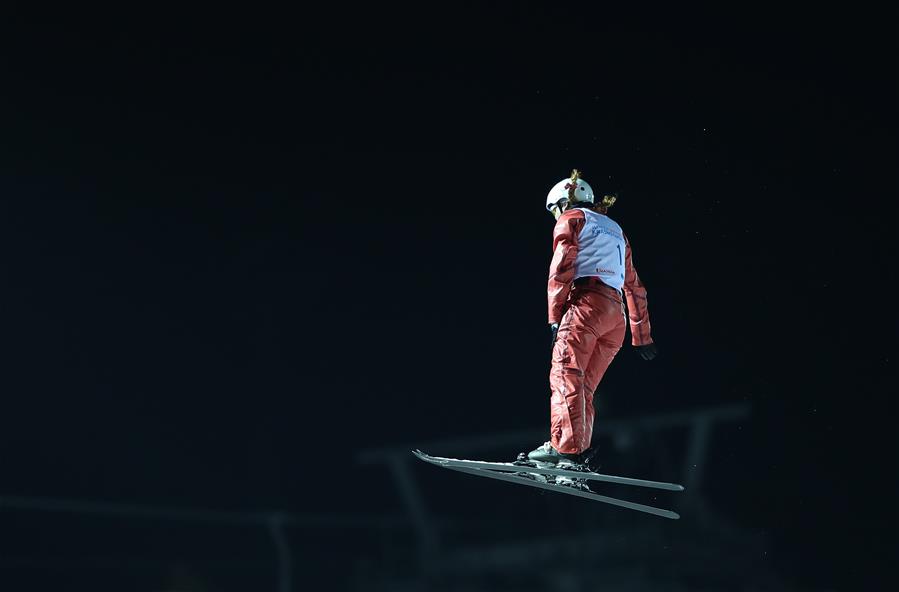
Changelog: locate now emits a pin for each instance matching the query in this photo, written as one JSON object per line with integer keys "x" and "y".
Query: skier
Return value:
{"x": 590, "y": 276}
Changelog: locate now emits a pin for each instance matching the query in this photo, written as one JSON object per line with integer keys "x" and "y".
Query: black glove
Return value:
{"x": 648, "y": 351}
{"x": 554, "y": 329}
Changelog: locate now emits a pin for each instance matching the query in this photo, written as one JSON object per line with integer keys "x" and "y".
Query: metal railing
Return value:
{"x": 274, "y": 523}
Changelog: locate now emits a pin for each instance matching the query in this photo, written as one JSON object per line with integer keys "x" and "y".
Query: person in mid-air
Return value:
{"x": 590, "y": 277}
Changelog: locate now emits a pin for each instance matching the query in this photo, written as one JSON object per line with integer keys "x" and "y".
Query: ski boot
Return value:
{"x": 546, "y": 456}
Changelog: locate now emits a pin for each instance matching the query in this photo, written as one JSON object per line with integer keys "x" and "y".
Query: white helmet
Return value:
{"x": 573, "y": 189}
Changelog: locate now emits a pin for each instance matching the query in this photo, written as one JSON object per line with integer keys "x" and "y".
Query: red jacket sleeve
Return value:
{"x": 635, "y": 293}
{"x": 561, "y": 269}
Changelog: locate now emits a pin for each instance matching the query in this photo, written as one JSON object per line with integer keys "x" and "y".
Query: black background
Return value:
{"x": 237, "y": 241}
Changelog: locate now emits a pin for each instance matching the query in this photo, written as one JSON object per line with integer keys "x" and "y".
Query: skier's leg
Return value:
{"x": 602, "y": 357}
{"x": 610, "y": 331}
{"x": 571, "y": 354}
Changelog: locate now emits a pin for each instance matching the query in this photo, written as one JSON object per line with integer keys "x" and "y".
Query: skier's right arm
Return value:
{"x": 562, "y": 267}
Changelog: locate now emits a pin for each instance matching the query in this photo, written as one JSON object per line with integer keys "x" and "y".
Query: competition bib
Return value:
{"x": 601, "y": 250}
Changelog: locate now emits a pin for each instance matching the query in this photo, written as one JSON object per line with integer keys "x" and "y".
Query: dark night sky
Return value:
{"x": 237, "y": 240}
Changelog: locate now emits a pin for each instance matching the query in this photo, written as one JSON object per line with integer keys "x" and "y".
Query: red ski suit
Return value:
{"x": 591, "y": 317}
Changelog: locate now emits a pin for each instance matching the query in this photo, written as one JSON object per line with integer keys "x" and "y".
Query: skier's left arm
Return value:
{"x": 637, "y": 308}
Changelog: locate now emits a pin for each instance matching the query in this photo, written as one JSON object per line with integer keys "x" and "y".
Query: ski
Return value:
{"x": 512, "y": 478}
{"x": 529, "y": 468}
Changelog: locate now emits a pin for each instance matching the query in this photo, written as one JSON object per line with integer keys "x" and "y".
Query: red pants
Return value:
{"x": 590, "y": 334}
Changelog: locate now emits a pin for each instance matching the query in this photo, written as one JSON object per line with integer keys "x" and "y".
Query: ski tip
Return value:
{"x": 428, "y": 458}
{"x": 672, "y": 515}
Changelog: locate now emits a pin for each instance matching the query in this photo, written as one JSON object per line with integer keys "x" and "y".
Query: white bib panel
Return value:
{"x": 601, "y": 250}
